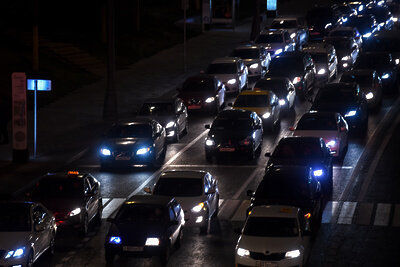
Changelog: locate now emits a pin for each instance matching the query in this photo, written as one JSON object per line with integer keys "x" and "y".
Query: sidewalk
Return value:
{"x": 71, "y": 125}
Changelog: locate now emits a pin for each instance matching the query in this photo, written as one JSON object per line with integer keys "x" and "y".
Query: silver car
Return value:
{"x": 255, "y": 57}
{"x": 27, "y": 230}
{"x": 196, "y": 191}
{"x": 276, "y": 41}
{"x": 295, "y": 25}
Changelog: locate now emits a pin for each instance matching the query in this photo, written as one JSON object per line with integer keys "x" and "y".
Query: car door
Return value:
{"x": 219, "y": 91}
{"x": 343, "y": 129}
{"x": 180, "y": 114}
{"x": 158, "y": 138}
{"x": 275, "y": 107}
{"x": 209, "y": 193}
{"x": 258, "y": 129}
{"x": 291, "y": 93}
{"x": 90, "y": 203}
{"x": 174, "y": 224}
{"x": 41, "y": 230}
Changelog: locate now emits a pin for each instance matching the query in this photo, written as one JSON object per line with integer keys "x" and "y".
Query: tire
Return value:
{"x": 109, "y": 256}
{"x": 29, "y": 261}
{"x": 178, "y": 241}
{"x": 215, "y": 215}
{"x": 164, "y": 258}
{"x": 85, "y": 226}
{"x": 205, "y": 229}
{"x": 99, "y": 214}
{"x": 177, "y": 135}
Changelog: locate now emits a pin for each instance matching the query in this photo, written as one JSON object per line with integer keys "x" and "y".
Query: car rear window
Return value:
{"x": 317, "y": 123}
{"x": 58, "y": 188}
{"x": 298, "y": 149}
{"x": 232, "y": 124}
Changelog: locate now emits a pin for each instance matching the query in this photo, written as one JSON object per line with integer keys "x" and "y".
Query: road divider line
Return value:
{"x": 112, "y": 206}
{"x": 347, "y": 212}
{"x": 212, "y": 166}
{"x": 240, "y": 214}
{"x": 382, "y": 214}
{"x": 246, "y": 183}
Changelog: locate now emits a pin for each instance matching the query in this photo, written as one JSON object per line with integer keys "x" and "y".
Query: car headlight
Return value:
{"x": 210, "y": 142}
{"x": 397, "y": 61}
{"x": 114, "y": 240}
{"x": 361, "y": 8}
{"x": 243, "y": 252}
{"x": 351, "y": 113}
{"x": 277, "y": 52}
{"x": 292, "y": 254}
{"x": 142, "y": 151}
{"x": 345, "y": 58}
{"x": 367, "y": 35}
{"x": 75, "y": 212}
{"x": 105, "y": 152}
{"x": 385, "y": 76}
{"x": 331, "y": 143}
{"x": 15, "y": 253}
{"x": 170, "y": 124}
{"x": 318, "y": 173}
{"x": 345, "y": 65}
{"x": 395, "y": 19}
{"x": 293, "y": 35}
{"x": 296, "y": 80}
{"x": 282, "y": 102}
{"x": 198, "y": 207}
{"x": 344, "y": 19}
{"x": 321, "y": 72}
{"x": 266, "y": 115}
{"x": 254, "y": 66}
{"x": 210, "y": 99}
{"x": 369, "y": 96}
{"x": 232, "y": 81}
{"x": 152, "y": 241}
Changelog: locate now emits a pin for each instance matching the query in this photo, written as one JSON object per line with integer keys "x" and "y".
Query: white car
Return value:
{"x": 274, "y": 236}
{"x": 330, "y": 126}
{"x": 196, "y": 191}
{"x": 295, "y": 25}
{"x": 255, "y": 57}
{"x": 27, "y": 230}
{"x": 276, "y": 41}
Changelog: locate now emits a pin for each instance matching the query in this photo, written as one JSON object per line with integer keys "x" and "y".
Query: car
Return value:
{"x": 345, "y": 9}
{"x": 366, "y": 24}
{"x": 255, "y": 57}
{"x": 133, "y": 142}
{"x": 282, "y": 87}
{"x": 298, "y": 67}
{"x": 325, "y": 61}
{"x": 27, "y": 231}
{"x": 232, "y": 71}
{"x": 309, "y": 151}
{"x": 275, "y": 41}
{"x": 347, "y": 50}
{"x": 74, "y": 198}
{"x": 331, "y": 126}
{"x": 170, "y": 112}
{"x": 296, "y": 27}
{"x": 346, "y": 99}
{"x": 145, "y": 226}
{"x": 274, "y": 235}
{"x": 234, "y": 132}
{"x": 293, "y": 186}
{"x": 384, "y": 41}
{"x": 264, "y": 103}
{"x": 321, "y": 19}
{"x": 203, "y": 92}
{"x": 347, "y": 32}
{"x": 383, "y": 16}
{"x": 196, "y": 191}
{"x": 385, "y": 66}
{"x": 370, "y": 83}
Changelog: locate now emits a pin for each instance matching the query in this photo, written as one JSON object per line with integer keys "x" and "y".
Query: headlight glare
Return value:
{"x": 277, "y": 52}
{"x": 15, "y": 253}
{"x": 369, "y": 96}
{"x": 345, "y": 58}
{"x": 152, "y": 241}
{"x": 367, "y": 35}
{"x": 142, "y": 151}
{"x": 210, "y": 99}
{"x": 293, "y": 35}
{"x": 198, "y": 207}
{"x": 266, "y": 115}
{"x": 331, "y": 143}
{"x": 351, "y": 113}
{"x": 114, "y": 240}
{"x": 296, "y": 80}
{"x": 243, "y": 252}
{"x": 210, "y": 142}
{"x": 385, "y": 76}
{"x": 318, "y": 173}
{"x": 282, "y": 102}
{"x": 75, "y": 212}
{"x": 170, "y": 124}
{"x": 254, "y": 66}
{"x": 321, "y": 72}
{"x": 105, "y": 152}
{"x": 397, "y": 61}
{"x": 292, "y": 254}
{"x": 232, "y": 81}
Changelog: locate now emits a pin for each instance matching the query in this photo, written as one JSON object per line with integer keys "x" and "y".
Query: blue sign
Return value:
{"x": 271, "y": 5}
{"x": 42, "y": 85}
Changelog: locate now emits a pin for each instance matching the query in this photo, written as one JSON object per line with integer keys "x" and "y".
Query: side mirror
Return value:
{"x": 147, "y": 190}
{"x": 39, "y": 227}
{"x": 237, "y": 231}
{"x": 291, "y": 128}
{"x": 111, "y": 220}
{"x": 207, "y": 126}
{"x": 268, "y": 154}
{"x": 250, "y": 193}
{"x": 230, "y": 104}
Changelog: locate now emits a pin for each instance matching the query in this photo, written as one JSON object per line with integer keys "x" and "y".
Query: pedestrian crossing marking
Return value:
{"x": 347, "y": 212}
{"x": 382, "y": 214}
{"x": 329, "y": 211}
{"x": 112, "y": 206}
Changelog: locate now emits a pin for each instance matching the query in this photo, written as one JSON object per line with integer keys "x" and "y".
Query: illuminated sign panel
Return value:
{"x": 271, "y": 5}
{"x": 42, "y": 85}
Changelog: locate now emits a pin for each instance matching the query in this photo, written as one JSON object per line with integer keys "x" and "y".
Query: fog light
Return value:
{"x": 282, "y": 102}
{"x": 369, "y": 96}
{"x": 199, "y": 219}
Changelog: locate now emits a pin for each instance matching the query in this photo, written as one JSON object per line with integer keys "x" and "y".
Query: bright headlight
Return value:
{"x": 243, "y": 252}
{"x": 328, "y": 25}
{"x": 170, "y": 124}
{"x": 321, "y": 71}
{"x": 395, "y": 19}
{"x": 277, "y": 52}
{"x": 368, "y": 34}
{"x": 152, "y": 241}
{"x": 385, "y": 76}
{"x": 75, "y": 212}
{"x": 254, "y": 66}
{"x": 293, "y": 35}
{"x": 296, "y": 80}
{"x": 292, "y": 254}
{"x": 318, "y": 173}
{"x": 105, "y": 152}
{"x": 114, "y": 240}
{"x": 266, "y": 115}
{"x": 369, "y": 96}
{"x": 142, "y": 151}
{"x": 210, "y": 99}
{"x": 15, "y": 253}
{"x": 282, "y": 102}
{"x": 198, "y": 207}
{"x": 210, "y": 142}
{"x": 345, "y": 58}
{"x": 360, "y": 8}
{"x": 331, "y": 143}
{"x": 351, "y": 113}
{"x": 232, "y": 81}
{"x": 345, "y": 65}
{"x": 397, "y": 61}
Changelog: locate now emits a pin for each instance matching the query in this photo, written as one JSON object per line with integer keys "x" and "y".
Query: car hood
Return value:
{"x": 342, "y": 108}
{"x": 270, "y": 244}
{"x": 14, "y": 240}
{"x": 163, "y": 119}
{"x": 59, "y": 205}
{"x": 326, "y": 135}
{"x": 250, "y": 61}
{"x": 225, "y": 77}
{"x": 274, "y": 46}
{"x": 189, "y": 202}
{"x": 136, "y": 233}
{"x": 126, "y": 143}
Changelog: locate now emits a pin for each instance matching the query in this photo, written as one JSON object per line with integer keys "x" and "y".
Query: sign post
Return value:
{"x": 19, "y": 119}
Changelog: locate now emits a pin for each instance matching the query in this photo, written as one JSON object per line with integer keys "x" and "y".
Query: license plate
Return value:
{"x": 266, "y": 264}
{"x": 132, "y": 249}
{"x": 122, "y": 158}
{"x": 227, "y": 149}
{"x": 194, "y": 107}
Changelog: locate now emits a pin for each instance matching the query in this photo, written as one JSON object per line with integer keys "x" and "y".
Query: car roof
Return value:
{"x": 225, "y": 60}
{"x": 192, "y": 174}
{"x": 159, "y": 100}
{"x": 234, "y": 113}
{"x": 247, "y": 46}
{"x": 339, "y": 86}
{"x": 272, "y": 31}
{"x": 258, "y": 92}
{"x": 137, "y": 120}
{"x": 299, "y": 139}
{"x": 72, "y": 175}
{"x": 315, "y": 49}
{"x": 275, "y": 211}
{"x": 149, "y": 199}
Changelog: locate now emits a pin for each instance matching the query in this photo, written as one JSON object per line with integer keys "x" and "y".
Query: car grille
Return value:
{"x": 194, "y": 101}
{"x": 122, "y": 153}
{"x": 2, "y": 252}
{"x": 270, "y": 257}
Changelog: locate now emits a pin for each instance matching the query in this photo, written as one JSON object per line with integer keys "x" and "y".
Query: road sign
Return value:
{"x": 19, "y": 118}
{"x": 42, "y": 85}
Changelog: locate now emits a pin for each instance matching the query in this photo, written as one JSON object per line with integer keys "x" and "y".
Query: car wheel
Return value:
{"x": 177, "y": 134}
{"x": 99, "y": 213}
{"x": 85, "y": 226}
{"x": 52, "y": 245}
{"x": 179, "y": 240}
{"x": 164, "y": 257}
{"x": 205, "y": 228}
{"x": 29, "y": 261}
{"x": 186, "y": 130}
{"x": 215, "y": 215}
{"x": 109, "y": 257}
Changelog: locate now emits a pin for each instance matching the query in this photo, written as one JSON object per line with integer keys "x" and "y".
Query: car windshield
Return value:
{"x": 369, "y": 60}
{"x": 156, "y": 109}
{"x": 382, "y": 44}
{"x": 232, "y": 124}
{"x": 318, "y": 123}
{"x": 58, "y": 188}
{"x": 15, "y": 217}
{"x": 178, "y": 187}
{"x": 283, "y": 24}
{"x": 283, "y": 188}
{"x": 287, "y": 65}
{"x": 320, "y": 57}
{"x": 271, "y": 227}
{"x": 222, "y": 68}
{"x": 203, "y": 85}
{"x": 330, "y": 96}
{"x": 362, "y": 80}
{"x": 133, "y": 131}
{"x": 269, "y": 39}
{"x": 252, "y": 101}
{"x": 246, "y": 53}
{"x": 141, "y": 214}
{"x": 341, "y": 33}
{"x": 298, "y": 149}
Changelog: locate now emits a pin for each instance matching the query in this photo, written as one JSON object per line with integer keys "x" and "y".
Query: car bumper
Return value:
{"x": 135, "y": 250}
{"x": 247, "y": 261}
{"x": 20, "y": 261}
{"x": 128, "y": 161}
{"x": 195, "y": 219}
{"x": 228, "y": 150}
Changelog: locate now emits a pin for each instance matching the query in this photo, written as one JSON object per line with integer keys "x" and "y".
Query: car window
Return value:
{"x": 324, "y": 123}
{"x": 142, "y": 213}
{"x": 171, "y": 213}
{"x": 59, "y": 188}
{"x": 232, "y": 124}
{"x": 207, "y": 184}
{"x": 39, "y": 214}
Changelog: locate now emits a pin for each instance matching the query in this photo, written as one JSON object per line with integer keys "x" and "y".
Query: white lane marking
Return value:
{"x": 112, "y": 206}
{"x": 396, "y": 216}
{"x": 364, "y": 213}
{"x": 220, "y": 201}
{"x": 377, "y": 158}
{"x": 213, "y": 166}
{"x": 246, "y": 183}
{"x": 343, "y": 167}
{"x": 104, "y": 201}
{"x": 240, "y": 214}
{"x": 382, "y": 214}
{"x": 330, "y": 211}
{"x": 346, "y": 214}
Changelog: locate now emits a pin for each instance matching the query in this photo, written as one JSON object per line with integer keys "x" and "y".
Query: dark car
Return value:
{"x": 145, "y": 226}
{"x": 383, "y": 16}
{"x": 73, "y": 197}
{"x": 171, "y": 113}
{"x": 290, "y": 185}
{"x": 298, "y": 67}
{"x": 346, "y": 99}
{"x": 347, "y": 50}
{"x": 305, "y": 151}
{"x": 203, "y": 92}
{"x": 384, "y": 41}
{"x": 139, "y": 141}
{"x": 370, "y": 83}
{"x": 320, "y": 20}
{"x": 384, "y": 64}
{"x": 234, "y": 132}
{"x": 282, "y": 87}
{"x": 345, "y": 9}
{"x": 366, "y": 24}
